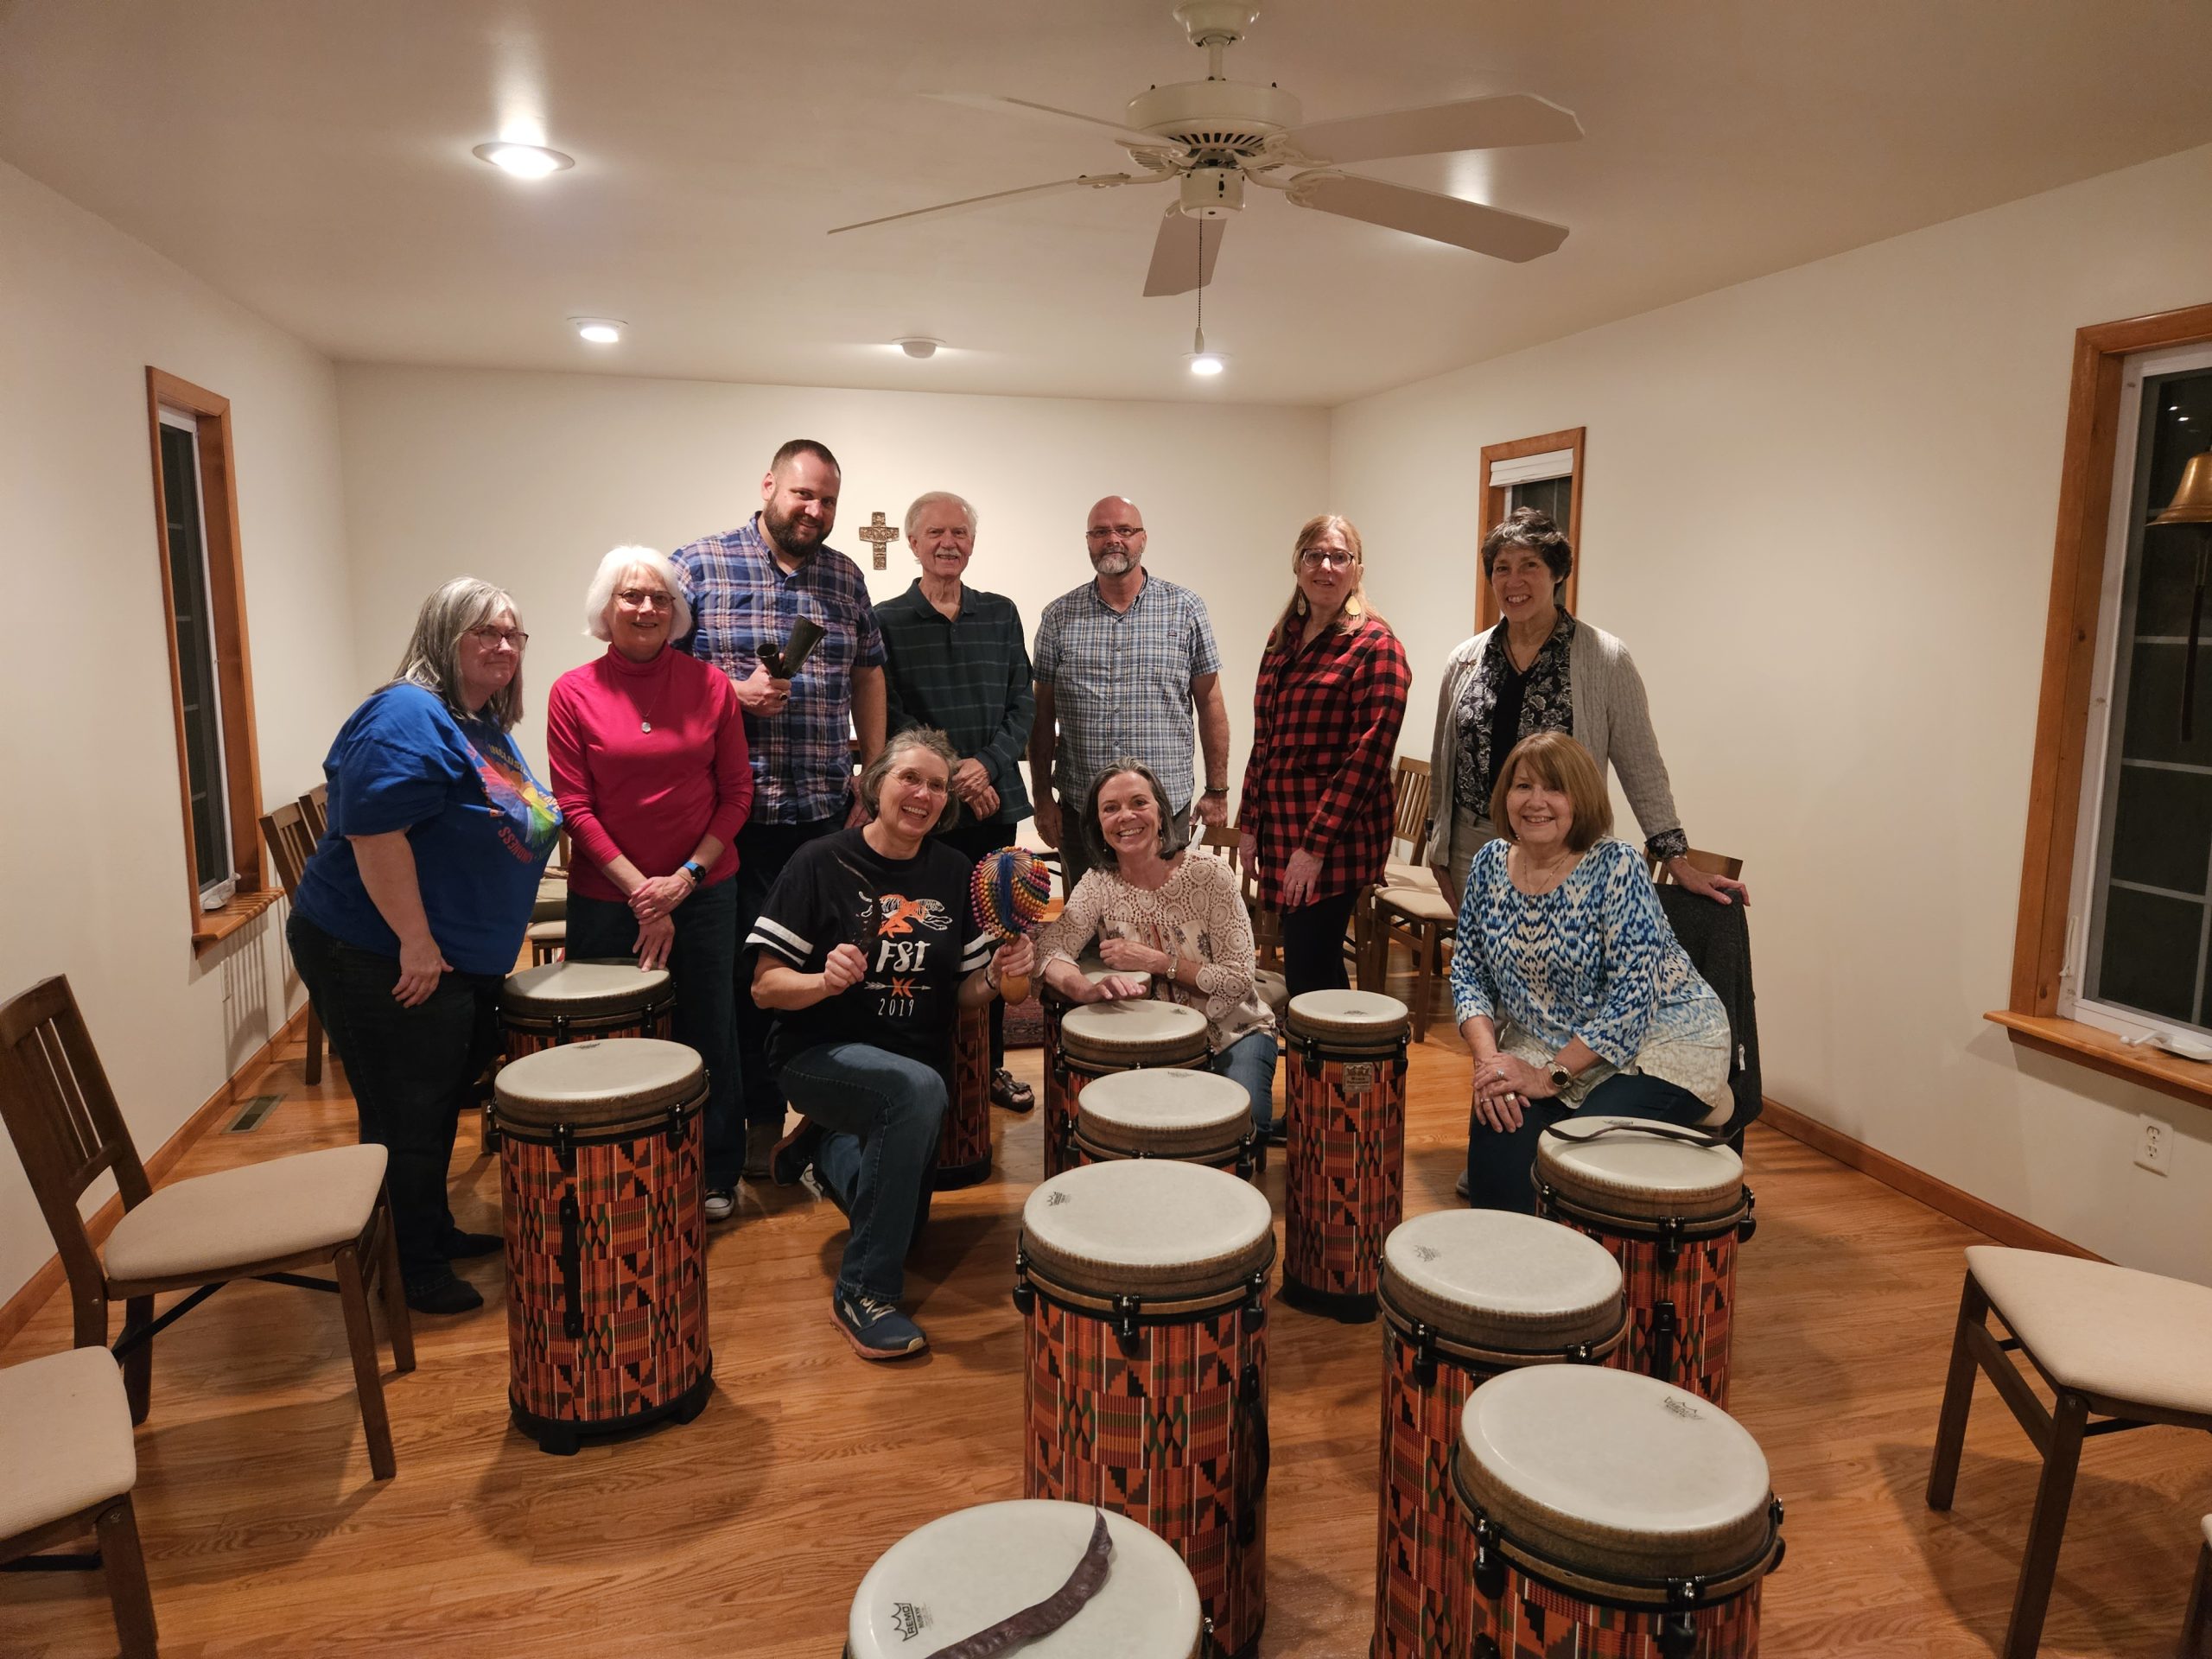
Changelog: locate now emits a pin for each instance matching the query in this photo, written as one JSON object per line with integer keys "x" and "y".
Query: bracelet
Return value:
{"x": 1222, "y": 789}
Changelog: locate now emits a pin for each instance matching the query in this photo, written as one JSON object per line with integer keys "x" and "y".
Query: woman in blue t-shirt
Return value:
{"x": 412, "y": 909}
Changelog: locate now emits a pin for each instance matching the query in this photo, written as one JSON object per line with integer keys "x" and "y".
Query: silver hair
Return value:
{"x": 929, "y": 498}
{"x": 913, "y": 737}
{"x": 599, "y": 597}
{"x": 432, "y": 659}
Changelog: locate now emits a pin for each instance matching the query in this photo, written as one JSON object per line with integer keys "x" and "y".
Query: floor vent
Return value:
{"x": 250, "y": 1115}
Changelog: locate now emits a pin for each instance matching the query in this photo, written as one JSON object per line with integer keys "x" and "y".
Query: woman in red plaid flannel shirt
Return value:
{"x": 1316, "y": 817}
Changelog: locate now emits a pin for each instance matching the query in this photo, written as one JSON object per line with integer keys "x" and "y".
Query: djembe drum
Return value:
{"x": 1143, "y": 1289}
{"x": 600, "y": 1156}
{"x": 1465, "y": 1294}
{"x": 1614, "y": 1516}
{"x": 1671, "y": 1205}
{"x": 1344, "y": 1091}
{"x": 1173, "y": 1112}
{"x": 967, "y": 1573}
{"x": 1053, "y": 1005}
{"x": 964, "y": 1147}
{"x": 570, "y": 1002}
{"x": 1097, "y": 1039}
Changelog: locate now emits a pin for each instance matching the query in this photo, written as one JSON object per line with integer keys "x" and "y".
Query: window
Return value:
{"x": 2140, "y": 921}
{"x": 203, "y": 591}
{"x": 1544, "y": 472}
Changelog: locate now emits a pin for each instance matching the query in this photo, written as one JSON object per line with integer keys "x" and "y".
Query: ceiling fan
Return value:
{"x": 1213, "y": 138}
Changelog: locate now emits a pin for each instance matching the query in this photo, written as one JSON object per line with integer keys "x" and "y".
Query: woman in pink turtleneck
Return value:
{"x": 650, "y": 769}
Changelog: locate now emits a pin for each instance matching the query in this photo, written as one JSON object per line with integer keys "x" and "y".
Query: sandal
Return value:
{"x": 1011, "y": 1092}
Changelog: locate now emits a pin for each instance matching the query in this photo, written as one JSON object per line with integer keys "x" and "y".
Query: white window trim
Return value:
{"x": 217, "y": 886}
{"x": 2098, "y": 768}
{"x": 1532, "y": 469}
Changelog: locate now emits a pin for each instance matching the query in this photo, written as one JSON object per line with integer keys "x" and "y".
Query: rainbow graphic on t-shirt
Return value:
{"x": 527, "y": 819}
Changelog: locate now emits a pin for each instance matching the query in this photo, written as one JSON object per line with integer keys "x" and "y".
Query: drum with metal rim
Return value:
{"x": 1465, "y": 1294}
{"x": 1142, "y": 1285}
{"x": 964, "y": 1147}
{"x": 1614, "y": 1516}
{"x": 569, "y": 1001}
{"x": 1053, "y": 1005}
{"x": 1097, "y": 1039}
{"x": 601, "y": 1145}
{"x": 1344, "y": 1189}
{"x": 1670, "y": 1203}
{"x": 1168, "y": 1112}
{"x": 967, "y": 1571}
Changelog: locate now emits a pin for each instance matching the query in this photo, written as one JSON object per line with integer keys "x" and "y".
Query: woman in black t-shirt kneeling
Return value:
{"x": 867, "y": 949}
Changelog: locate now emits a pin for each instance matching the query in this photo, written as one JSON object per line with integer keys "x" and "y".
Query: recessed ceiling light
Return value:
{"x": 918, "y": 346}
{"x": 599, "y": 331}
{"x": 523, "y": 161}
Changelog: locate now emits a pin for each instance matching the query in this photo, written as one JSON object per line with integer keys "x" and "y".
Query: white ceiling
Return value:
{"x": 311, "y": 159}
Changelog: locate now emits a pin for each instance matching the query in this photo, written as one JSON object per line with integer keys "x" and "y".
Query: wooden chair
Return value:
{"x": 262, "y": 1221}
{"x": 291, "y": 843}
{"x": 65, "y": 1441}
{"x": 548, "y": 941}
{"x": 1224, "y": 839}
{"x": 1408, "y": 908}
{"x": 314, "y": 808}
{"x": 2127, "y": 1348}
{"x": 2196, "y": 1622}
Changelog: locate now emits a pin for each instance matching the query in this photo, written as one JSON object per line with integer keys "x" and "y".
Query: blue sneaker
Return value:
{"x": 876, "y": 1330}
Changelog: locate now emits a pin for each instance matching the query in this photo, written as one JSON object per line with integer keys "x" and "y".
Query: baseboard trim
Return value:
{"x": 1941, "y": 1196}
{"x": 50, "y": 1278}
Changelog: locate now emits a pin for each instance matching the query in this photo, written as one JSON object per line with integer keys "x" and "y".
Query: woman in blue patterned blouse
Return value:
{"x": 1571, "y": 989}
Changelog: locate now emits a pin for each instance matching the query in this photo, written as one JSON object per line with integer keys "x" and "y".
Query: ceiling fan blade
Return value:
{"x": 1175, "y": 250}
{"x": 1086, "y": 181}
{"x": 1036, "y": 111}
{"x": 1423, "y": 213}
{"x": 1468, "y": 124}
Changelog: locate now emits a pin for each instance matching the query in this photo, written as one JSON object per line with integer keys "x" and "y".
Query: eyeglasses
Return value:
{"x": 640, "y": 598}
{"x": 488, "y": 637}
{"x": 1336, "y": 558}
{"x": 1126, "y": 532}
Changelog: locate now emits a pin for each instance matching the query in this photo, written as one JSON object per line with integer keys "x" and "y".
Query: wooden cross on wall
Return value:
{"x": 879, "y": 536}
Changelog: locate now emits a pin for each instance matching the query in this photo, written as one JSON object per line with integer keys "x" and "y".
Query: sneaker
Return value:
{"x": 760, "y": 1145}
{"x": 457, "y": 1246}
{"x": 876, "y": 1330}
{"x": 720, "y": 1203}
{"x": 1011, "y": 1092}
{"x": 791, "y": 1156}
{"x": 445, "y": 1295}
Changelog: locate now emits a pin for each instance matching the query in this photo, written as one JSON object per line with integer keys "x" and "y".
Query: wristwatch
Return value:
{"x": 696, "y": 870}
{"x": 1561, "y": 1076}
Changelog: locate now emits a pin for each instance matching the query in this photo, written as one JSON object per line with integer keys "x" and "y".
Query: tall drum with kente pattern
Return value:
{"x": 1344, "y": 1089}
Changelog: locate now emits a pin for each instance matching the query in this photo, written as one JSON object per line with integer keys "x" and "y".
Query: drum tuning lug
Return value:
{"x": 1750, "y": 1223}
{"x": 1424, "y": 1355}
{"x": 1490, "y": 1571}
{"x": 1486, "y": 1648}
{"x": 1579, "y": 1354}
{"x": 1677, "y": 1637}
{"x": 1125, "y": 1309}
{"x": 1254, "y": 1312}
{"x": 1024, "y": 1293}
{"x": 564, "y": 1147}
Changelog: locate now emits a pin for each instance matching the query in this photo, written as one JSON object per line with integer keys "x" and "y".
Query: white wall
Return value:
{"x": 526, "y": 480}
{"x": 1821, "y": 508}
{"x": 89, "y": 816}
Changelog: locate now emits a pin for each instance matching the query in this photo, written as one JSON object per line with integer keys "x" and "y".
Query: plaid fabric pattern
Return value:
{"x": 1325, "y": 731}
{"x": 1700, "y": 1283}
{"x": 1425, "y": 1559}
{"x": 1345, "y": 1190}
{"x": 1534, "y": 1621}
{"x": 742, "y": 600}
{"x": 640, "y": 1244}
{"x": 1120, "y": 683}
{"x": 964, "y": 1147}
{"x": 968, "y": 676}
{"x": 1158, "y": 1432}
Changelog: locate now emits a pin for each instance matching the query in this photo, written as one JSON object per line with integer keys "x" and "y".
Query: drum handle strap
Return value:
{"x": 1636, "y": 1126}
{"x": 572, "y": 1316}
{"x": 1259, "y": 1455}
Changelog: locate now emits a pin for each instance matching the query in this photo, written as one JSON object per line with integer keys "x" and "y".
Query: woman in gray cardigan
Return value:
{"x": 1541, "y": 669}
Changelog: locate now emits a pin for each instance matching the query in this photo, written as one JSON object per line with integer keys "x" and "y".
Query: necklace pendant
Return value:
{"x": 644, "y": 725}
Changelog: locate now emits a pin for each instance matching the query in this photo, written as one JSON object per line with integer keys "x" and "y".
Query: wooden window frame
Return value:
{"x": 2085, "y": 485}
{"x": 218, "y": 509}
{"x": 1493, "y": 498}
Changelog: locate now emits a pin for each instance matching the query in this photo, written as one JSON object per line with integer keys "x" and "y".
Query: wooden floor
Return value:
{"x": 746, "y": 1532}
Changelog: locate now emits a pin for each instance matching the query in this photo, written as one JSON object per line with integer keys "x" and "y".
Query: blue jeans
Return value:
{"x": 704, "y": 964}
{"x": 882, "y": 1112}
{"x": 1500, "y": 1163}
{"x": 1251, "y": 1061}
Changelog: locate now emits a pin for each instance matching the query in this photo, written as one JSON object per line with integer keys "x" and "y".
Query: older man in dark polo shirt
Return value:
{"x": 954, "y": 658}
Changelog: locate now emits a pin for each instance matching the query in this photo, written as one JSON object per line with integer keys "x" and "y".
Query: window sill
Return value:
{"x": 211, "y": 927}
{"x": 2101, "y": 1051}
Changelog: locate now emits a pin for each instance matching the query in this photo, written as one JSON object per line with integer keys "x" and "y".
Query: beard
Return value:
{"x": 790, "y": 532}
{"x": 1113, "y": 564}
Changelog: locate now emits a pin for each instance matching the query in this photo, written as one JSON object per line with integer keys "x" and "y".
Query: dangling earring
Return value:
{"x": 1298, "y": 604}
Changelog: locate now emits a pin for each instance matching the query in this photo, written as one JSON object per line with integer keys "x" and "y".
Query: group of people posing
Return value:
{"x": 817, "y": 921}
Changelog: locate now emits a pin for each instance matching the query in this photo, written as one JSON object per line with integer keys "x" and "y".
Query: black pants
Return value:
{"x": 1499, "y": 1164}
{"x": 412, "y": 1070}
{"x": 972, "y": 842}
{"x": 762, "y": 850}
{"x": 1313, "y": 944}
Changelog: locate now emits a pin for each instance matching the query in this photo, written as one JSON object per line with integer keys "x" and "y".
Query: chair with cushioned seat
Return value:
{"x": 66, "y": 1443}
{"x": 2196, "y": 1622}
{"x": 260, "y": 1221}
{"x": 2127, "y": 1348}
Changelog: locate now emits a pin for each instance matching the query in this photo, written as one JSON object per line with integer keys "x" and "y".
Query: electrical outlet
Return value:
{"x": 2154, "y": 1146}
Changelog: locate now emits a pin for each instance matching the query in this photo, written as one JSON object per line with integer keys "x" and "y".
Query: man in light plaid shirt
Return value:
{"x": 1122, "y": 662}
{"x": 748, "y": 588}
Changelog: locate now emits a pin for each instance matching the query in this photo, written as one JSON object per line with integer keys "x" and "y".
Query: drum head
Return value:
{"x": 964, "y": 1572}
{"x": 576, "y": 988}
{"x": 1361, "y": 1018}
{"x": 1151, "y": 1227}
{"x": 1165, "y": 1109}
{"x": 1492, "y": 1278}
{"x": 1642, "y": 1176}
{"x": 1616, "y": 1475}
{"x": 1136, "y": 1032}
{"x": 598, "y": 1085}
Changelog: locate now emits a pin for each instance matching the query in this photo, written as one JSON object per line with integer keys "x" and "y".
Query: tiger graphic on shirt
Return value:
{"x": 904, "y": 934}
